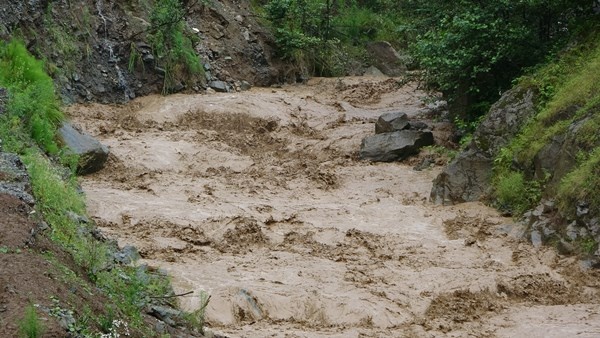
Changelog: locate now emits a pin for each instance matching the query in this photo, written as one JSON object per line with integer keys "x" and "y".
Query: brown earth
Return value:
{"x": 33, "y": 272}
{"x": 257, "y": 199}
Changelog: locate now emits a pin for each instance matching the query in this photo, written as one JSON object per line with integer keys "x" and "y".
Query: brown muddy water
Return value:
{"x": 257, "y": 199}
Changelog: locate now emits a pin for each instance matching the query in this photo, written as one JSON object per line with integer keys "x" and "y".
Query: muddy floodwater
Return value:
{"x": 257, "y": 199}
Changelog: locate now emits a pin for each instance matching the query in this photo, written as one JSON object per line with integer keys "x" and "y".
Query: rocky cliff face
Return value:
{"x": 87, "y": 46}
{"x": 563, "y": 169}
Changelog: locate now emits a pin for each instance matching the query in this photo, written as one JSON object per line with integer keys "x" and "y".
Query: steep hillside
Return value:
{"x": 540, "y": 145}
{"x": 107, "y": 51}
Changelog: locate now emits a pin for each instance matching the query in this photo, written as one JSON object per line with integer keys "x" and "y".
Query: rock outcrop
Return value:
{"x": 92, "y": 154}
{"x": 467, "y": 177}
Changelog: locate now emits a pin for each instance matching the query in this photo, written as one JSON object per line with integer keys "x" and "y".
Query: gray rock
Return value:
{"x": 418, "y": 125}
{"x": 16, "y": 182}
{"x": 79, "y": 219}
{"x": 395, "y": 146}
{"x": 166, "y": 314}
{"x": 148, "y": 57}
{"x": 219, "y": 86}
{"x": 572, "y": 231}
{"x": 373, "y": 71}
{"x": 92, "y": 154}
{"x": 245, "y": 85}
{"x": 66, "y": 320}
{"x": 391, "y": 122}
{"x": 386, "y": 58}
{"x": 18, "y": 190}
{"x": 127, "y": 255}
{"x": 467, "y": 177}
{"x": 583, "y": 209}
{"x": 536, "y": 238}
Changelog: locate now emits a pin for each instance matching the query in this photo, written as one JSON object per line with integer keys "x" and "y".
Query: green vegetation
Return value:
{"x": 33, "y": 108}
{"x": 581, "y": 184}
{"x": 173, "y": 48}
{"x": 324, "y": 37}
{"x": 198, "y": 317}
{"x": 570, "y": 96}
{"x": 470, "y": 50}
{"x": 28, "y": 128}
{"x": 31, "y": 326}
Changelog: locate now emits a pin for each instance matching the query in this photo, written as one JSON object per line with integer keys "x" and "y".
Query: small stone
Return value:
{"x": 395, "y": 146}
{"x": 583, "y": 209}
{"x": 565, "y": 248}
{"x": 572, "y": 231}
{"x": 43, "y": 226}
{"x": 148, "y": 57}
{"x": 536, "y": 238}
{"x": 160, "y": 327}
{"x": 79, "y": 219}
{"x": 239, "y": 18}
{"x": 245, "y": 85}
{"x": 549, "y": 206}
{"x": 166, "y": 314}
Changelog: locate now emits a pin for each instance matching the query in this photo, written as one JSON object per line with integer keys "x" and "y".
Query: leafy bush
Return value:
{"x": 173, "y": 48}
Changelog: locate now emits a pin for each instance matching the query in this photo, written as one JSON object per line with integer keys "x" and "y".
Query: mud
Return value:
{"x": 257, "y": 199}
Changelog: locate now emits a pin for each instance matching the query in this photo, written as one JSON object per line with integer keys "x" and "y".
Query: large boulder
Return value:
{"x": 391, "y": 122}
{"x": 386, "y": 58}
{"x": 467, "y": 177}
{"x": 92, "y": 154}
{"x": 394, "y": 146}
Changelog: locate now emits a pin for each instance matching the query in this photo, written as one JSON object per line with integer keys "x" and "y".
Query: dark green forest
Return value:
{"x": 471, "y": 51}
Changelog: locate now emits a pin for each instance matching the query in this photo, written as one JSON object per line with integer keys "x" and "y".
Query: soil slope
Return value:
{"x": 257, "y": 199}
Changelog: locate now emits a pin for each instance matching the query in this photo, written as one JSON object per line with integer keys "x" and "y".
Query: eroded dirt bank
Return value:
{"x": 257, "y": 199}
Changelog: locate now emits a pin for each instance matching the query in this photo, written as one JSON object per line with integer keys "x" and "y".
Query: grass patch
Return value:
{"x": 581, "y": 185}
{"x": 32, "y": 105}
{"x": 570, "y": 89}
{"x": 516, "y": 194}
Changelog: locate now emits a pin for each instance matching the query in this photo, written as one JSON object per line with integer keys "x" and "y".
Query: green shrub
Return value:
{"x": 174, "y": 49}
{"x": 31, "y": 326}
